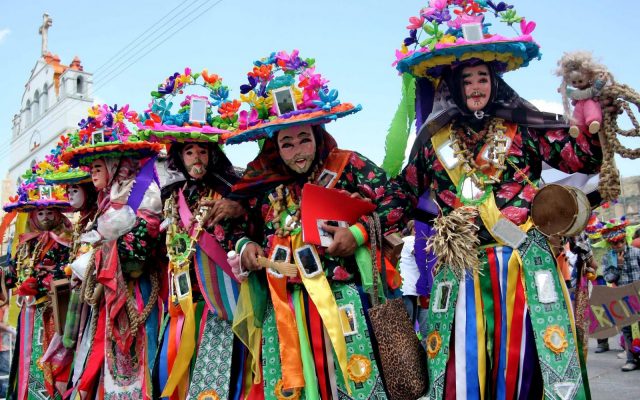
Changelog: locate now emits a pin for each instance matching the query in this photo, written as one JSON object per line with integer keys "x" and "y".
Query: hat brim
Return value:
{"x": 507, "y": 54}
{"x": 24, "y": 206}
{"x": 84, "y": 155}
{"x": 67, "y": 178}
{"x": 267, "y": 129}
{"x": 159, "y": 133}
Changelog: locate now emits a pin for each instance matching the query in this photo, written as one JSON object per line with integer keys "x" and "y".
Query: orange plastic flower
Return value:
{"x": 229, "y": 109}
{"x": 210, "y": 79}
{"x": 262, "y": 72}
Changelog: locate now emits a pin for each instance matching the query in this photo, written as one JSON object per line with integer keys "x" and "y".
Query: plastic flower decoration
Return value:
{"x": 439, "y": 25}
{"x": 159, "y": 115}
{"x": 280, "y": 70}
{"x": 284, "y": 89}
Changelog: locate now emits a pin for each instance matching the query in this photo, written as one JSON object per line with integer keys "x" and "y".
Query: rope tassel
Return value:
{"x": 456, "y": 241}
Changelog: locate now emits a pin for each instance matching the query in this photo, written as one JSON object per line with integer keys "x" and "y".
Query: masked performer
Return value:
{"x": 500, "y": 324}
{"x": 316, "y": 342}
{"x": 197, "y": 355}
{"x": 38, "y": 260}
{"x": 83, "y": 200}
{"x": 120, "y": 275}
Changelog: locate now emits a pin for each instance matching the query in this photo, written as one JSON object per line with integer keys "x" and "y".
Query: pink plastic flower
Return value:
{"x": 415, "y": 22}
{"x": 463, "y": 19}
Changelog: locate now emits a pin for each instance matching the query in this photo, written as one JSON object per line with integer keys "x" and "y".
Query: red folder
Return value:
{"x": 320, "y": 203}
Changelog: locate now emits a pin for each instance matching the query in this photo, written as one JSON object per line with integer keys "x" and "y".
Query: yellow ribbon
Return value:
{"x": 179, "y": 373}
{"x": 322, "y": 296}
{"x": 21, "y": 227}
{"x": 244, "y": 327}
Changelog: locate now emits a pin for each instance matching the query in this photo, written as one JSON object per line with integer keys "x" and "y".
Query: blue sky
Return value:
{"x": 353, "y": 42}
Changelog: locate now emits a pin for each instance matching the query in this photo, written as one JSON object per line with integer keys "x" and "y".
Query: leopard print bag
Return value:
{"x": 402, "y": 358}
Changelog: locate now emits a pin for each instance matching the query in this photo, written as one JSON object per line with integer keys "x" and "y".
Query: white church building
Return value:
{"x": 56, "y": 97}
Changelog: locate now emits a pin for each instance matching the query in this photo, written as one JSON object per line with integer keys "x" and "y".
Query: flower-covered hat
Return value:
{"x": 447, "y": 32}
{"x": 105, "y": 134}
{"x": 284, "y": 90}
{"x": 194, "y": 120}
{"x": 34, "y": 193}
{"x": 614, "y": 230}
{"x": 56, "y": 172}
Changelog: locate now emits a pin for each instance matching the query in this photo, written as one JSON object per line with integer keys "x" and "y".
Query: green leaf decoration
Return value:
{"x": 398, "y": 133}
{"x": 156, "y": 95}
{"x": 510, "y": 17}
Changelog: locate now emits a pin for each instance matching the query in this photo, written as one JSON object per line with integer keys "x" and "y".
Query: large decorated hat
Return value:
{"x": 194, "y": 120}
{"x": 447, "y": 32}
{"x": 35, "y": 193}
{"x": 284, "y": 90}
{"x": 107, "y": 132}
{"x": 54, "y": 171}
{"x": 614, "y": 230}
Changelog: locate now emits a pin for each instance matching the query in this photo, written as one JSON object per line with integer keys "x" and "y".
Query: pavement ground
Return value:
{"x": 605, "y": 377}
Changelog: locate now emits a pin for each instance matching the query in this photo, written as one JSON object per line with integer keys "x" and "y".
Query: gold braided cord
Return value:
{"x": 609, "y": 186}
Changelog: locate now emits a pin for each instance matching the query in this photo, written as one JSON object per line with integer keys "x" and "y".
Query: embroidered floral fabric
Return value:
{"x": 513, "y": 194}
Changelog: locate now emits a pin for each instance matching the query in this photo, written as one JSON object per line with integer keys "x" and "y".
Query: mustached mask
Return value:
{"x": 455, "y": 82}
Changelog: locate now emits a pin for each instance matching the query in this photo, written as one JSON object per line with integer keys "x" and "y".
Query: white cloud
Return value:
{"x": 4, "y": 33}
{"x": 548, "y": 106}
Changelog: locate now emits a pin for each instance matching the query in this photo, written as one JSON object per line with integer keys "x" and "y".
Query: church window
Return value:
{"x": 44, "y": 99}
{"x": 35, "y": 106}
{"x": 27, "y": 113}
{"x": 80, "y": 85}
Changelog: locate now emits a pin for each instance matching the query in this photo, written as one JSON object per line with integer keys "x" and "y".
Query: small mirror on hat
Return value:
{"x": 45, "y": 192}
{"x": 284, "y": 100}
{"x": 198, "y": 109}
{"x": 97, "y": 137}
{"x": 472, "y": 32}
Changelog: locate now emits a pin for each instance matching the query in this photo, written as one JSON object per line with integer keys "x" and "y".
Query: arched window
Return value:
{"x": 80, "y": 85}
{"x": 35, "y": 106}
{"x": 44, "y": 99}
{"x": 27, "y": 114}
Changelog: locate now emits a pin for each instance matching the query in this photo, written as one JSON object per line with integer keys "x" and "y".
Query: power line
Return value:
{"x": 160, "y": 40}
{"x": 157, "y": 25}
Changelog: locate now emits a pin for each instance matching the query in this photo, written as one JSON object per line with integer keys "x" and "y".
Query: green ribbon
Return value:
{"x": 561, "y": 372}
{"x": 440, "y": 323}
{"x": 308, "y": 366}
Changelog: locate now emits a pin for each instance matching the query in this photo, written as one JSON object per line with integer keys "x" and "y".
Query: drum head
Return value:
{"x": 584, "y": 212}
{"x": 554, "y": 209}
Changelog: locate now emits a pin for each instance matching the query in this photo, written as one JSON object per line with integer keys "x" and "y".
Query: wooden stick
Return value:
{"x": 286, "y": 269}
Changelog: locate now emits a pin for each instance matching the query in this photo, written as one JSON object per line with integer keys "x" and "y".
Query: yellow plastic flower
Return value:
{"x": 119, "y": 117}
{"x": 59, "y": 193}
{"x": 448, "y": 39}
{"x": 43, "y": 167}
{"x": 404, "y": 49}
{"x": 256, "y": 101}
{"x": 184, "y": 79}
{"x": 94, "y": 111}
{"x": 297, "y": 93}
{"x": 34, "y": 194}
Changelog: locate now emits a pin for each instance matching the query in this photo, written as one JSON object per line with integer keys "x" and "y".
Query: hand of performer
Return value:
{"x": 356, "y": 195}
{"x": 249, "y": 259}
{"x": 344, "y": 244}
{"x": 222, "y": 209}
